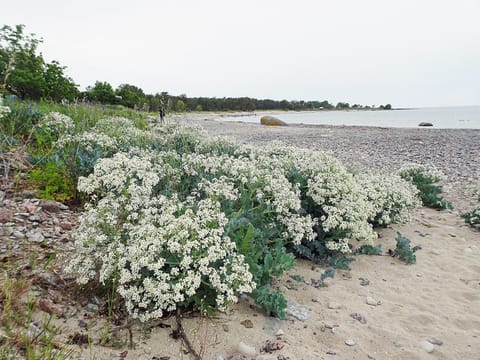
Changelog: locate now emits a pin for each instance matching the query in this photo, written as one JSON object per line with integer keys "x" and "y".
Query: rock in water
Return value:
{"x": 272, "y": 121}
{"x": 425, "y": 124}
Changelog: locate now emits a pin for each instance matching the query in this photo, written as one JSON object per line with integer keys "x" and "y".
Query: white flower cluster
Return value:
{"x": 155, "y": 223}
{"x": 58, "y": 123}
{"x": 393, "y": 199}
{"x": 114, "y": 133}
{"x": 88, "y": 141}
{"x": 344, "y": 206}
{"x": 349, "y": 204}
{"x": 161, "y": 250}
{"x": 270, "y": 185}
{"x": 408, "y": 171}
{"x": 3, "y": 109}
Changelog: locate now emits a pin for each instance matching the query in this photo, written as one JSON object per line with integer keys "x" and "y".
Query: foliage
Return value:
{"x": 25, "y": 73}
{"x": 473, "y": 217}
{"x": 22, "y": 118}
{"x": 273, "y": 302}
{"x": 102, "y": 92}
{"x": 403, "y": 251}
{"x": 426, "y": 179}
{"x": 52, "y": 181}
{"x": 369, "y": 250}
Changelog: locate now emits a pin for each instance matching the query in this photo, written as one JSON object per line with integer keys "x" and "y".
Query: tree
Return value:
{"x": 102, "y": 92}
{"x": 23, "y": 72}
{"x": 132, "y": 96}
{"x": 58, "y": 85}
{"x": 21, "y": 69}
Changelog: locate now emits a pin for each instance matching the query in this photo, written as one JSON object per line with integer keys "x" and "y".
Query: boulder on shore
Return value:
{"x": 425, "y": 124}
{"x": 272, "y": 121}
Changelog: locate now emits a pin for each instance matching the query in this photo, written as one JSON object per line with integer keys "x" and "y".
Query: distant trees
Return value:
{"x": 25, "y": 73}
{"x": 131, "y": 96}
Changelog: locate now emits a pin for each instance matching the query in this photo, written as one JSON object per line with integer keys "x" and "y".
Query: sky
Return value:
{"x": 409, "y": 53}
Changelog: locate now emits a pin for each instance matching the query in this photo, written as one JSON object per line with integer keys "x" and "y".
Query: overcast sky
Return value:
{"x": 404, "y": 52}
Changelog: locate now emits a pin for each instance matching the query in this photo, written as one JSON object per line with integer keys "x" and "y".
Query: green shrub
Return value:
{"x": 21, "y": 120}
{"x": 473, "y": 217}
{"x": 52, "y": 181}
{"x": 403, "y": 251}
{"x": 426, "y": 179}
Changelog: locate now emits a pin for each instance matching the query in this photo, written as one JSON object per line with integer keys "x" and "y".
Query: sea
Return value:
{"x": 461, "y": 117}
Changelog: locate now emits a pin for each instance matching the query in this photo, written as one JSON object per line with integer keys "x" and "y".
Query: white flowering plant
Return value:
{"x": 427, "y": 180}
{"x": 3, "y": 109}
{"x": 162, "y": 252}
{"x": 393, "y": 199}
{"x": 172, "y": 206}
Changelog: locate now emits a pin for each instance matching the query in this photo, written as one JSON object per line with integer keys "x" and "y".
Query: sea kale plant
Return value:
{"x": 178, "y": 219}
{"x": 426, "y": 179}
{"x": 473, "y": 217}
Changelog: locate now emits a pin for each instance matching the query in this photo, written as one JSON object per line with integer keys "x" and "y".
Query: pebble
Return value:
{"x": 280, "y": 333}
{"x": 299, "y": 312}
{"x": 372, "y": 301}
{"x": 35, "y": 236}
{"x": 427, "y": 346}
{"x": 350, "y": 342}
{"x": 435, "y": 341}
{"x": 334, "y": 305}
{"x": 247, "y": 349}
{"x": 219, "y": 357}
{"x": 91, "y": 307}
{"x": 18, "y": 234}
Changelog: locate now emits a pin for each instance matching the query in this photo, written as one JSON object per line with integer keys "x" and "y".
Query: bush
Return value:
{"x": 403, "y": 251}
{"x": 263, "y": 203}
{"x": 426, "y": 179}
{"x": 473, "y": 217}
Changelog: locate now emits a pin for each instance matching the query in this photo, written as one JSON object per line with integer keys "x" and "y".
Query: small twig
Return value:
{"x": 184, "y": 337}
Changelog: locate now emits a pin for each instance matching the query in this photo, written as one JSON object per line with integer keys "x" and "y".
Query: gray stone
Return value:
{"x": 372, "y": 301}
{"x": 334, "y": 306}
{"x": 91, "y": 307}
{"x": 350, "y": 342}
{"x": 297, "y": 311}
{"x": 219, "y": 357}
{"x": 427, "y": 346}
{"x": 18, "y": 234}
{"x": 435, "y": 341}
{"x": 35, "y": 236}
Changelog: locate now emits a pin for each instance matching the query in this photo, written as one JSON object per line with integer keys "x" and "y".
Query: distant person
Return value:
{"x": 162, "y": 112}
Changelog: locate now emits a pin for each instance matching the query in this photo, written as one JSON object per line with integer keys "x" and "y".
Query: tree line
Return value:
{"x": 25, "y": 73}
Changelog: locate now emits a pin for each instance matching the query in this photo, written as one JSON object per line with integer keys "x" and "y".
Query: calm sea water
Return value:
{"x": 465, "y": 117}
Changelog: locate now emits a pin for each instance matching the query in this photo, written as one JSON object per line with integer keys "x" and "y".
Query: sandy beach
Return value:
{"x": 381, "y": 309}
